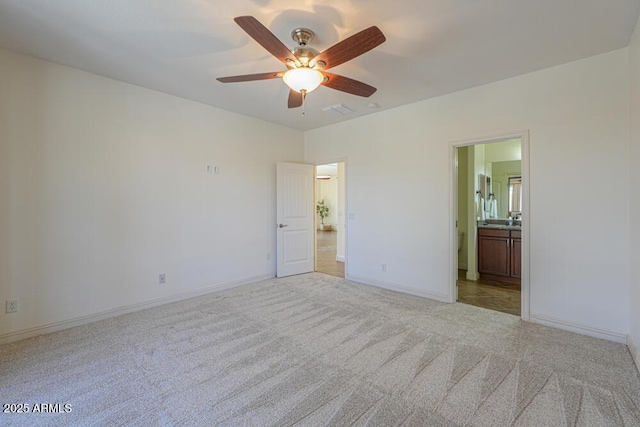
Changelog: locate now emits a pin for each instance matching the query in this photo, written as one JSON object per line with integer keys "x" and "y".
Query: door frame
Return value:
{"x": 345, "y": 210}
{"x": 526, "y": 213}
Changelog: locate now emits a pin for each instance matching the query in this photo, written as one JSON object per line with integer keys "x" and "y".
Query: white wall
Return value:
{"x": 634, "y": 321}
{"x": 327, "y": 190}
{"x": 103, "y": 187}
{"x": 578, "y": 117}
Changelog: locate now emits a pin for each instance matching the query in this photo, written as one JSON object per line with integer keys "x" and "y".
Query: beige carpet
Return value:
{"x": 318, "y": 350}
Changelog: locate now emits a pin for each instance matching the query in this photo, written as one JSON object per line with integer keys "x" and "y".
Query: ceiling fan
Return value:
{"x": 306, "y": 66}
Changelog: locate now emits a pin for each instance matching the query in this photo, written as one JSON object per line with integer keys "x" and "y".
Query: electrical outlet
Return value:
{"x": 12, "y": 306}
{"x": 162, "y": 278}
{"x": 384, "y": 268}
{"x": 213, "y": 169}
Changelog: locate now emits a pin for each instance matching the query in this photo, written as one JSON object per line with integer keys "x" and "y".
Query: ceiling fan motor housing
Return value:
{"x": 304, "y": 36}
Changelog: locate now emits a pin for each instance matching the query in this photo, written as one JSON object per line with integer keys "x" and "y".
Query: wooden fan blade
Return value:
{"x": 350, "y": 47}
{"x": 295, "y": 99}
{"x": 250, "y": 77}
{"x": 345, "y": 84}
{"x": 265, "y": 38}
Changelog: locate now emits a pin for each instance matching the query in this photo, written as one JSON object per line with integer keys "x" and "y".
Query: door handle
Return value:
{"x": 283, "y": 225}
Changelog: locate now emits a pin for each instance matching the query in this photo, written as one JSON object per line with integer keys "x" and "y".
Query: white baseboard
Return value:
{"x": 70, "y": 323}
{"x": 578, "y": 328}
{"x": 340, "y": 258}
{"x": 635, "y": 351}
{"x": 398, "y": 288}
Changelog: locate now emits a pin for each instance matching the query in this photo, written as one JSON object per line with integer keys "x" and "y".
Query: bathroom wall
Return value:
{"x": 503, "y": 151}
{"x": 463, "y": 203}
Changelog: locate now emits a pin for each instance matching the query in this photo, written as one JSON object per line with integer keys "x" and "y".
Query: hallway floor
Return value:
{"x": 503, "y": 297}
{"x": 326, "y": 254}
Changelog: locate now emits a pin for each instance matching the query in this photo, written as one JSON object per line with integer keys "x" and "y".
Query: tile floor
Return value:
{"x": 504, "y": 297}
{"x": 326, "y": 254}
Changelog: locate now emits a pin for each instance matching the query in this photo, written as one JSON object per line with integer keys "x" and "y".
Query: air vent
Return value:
{"x": 337, "y": 110}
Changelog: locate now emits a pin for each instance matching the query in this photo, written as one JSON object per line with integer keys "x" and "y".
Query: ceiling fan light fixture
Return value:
{"x": 303, "y": 79}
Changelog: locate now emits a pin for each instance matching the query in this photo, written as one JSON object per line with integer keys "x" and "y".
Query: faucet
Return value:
{"x": 516, "y": 217}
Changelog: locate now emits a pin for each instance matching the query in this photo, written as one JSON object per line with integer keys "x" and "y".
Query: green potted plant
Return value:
{"x": 323, "y": 211}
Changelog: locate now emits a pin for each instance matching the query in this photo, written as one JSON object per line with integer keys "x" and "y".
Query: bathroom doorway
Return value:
{"x": 490, "y": 197}
{"x": 330, "y": 219}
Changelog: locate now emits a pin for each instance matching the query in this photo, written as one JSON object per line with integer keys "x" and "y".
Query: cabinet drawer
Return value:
{"x": 515, "y": 234}
{"x": 493, "y": 233}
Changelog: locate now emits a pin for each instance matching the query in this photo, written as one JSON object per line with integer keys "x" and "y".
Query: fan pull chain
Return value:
{"x": 304, "y": 96}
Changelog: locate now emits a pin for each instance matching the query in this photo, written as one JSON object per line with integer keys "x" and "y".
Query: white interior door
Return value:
{"x": 295, "y": 216}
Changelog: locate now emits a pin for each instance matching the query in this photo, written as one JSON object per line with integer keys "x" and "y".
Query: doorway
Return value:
{"x": 330, "y": 218}
{"x": 491, "y": 262}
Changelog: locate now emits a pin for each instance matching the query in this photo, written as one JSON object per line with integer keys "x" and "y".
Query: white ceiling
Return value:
{"x": 433, "y": 47}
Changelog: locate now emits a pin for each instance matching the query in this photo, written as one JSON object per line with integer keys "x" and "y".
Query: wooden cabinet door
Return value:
{"x": 493, "y": 256}
{"x": 516, "y": 258}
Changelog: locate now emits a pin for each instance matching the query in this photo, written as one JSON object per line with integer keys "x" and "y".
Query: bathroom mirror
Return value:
{"x": 505, "y": 185}
{"x": 515, "y": 196}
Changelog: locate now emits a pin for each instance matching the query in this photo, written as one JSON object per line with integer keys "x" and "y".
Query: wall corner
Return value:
{"x": 634, "y": 350}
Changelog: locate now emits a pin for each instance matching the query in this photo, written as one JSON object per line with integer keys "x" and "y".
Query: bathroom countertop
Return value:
{"x": 500, "y": 226}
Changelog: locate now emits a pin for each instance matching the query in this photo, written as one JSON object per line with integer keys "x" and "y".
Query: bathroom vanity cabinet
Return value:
{"x": 499, "y": 254}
